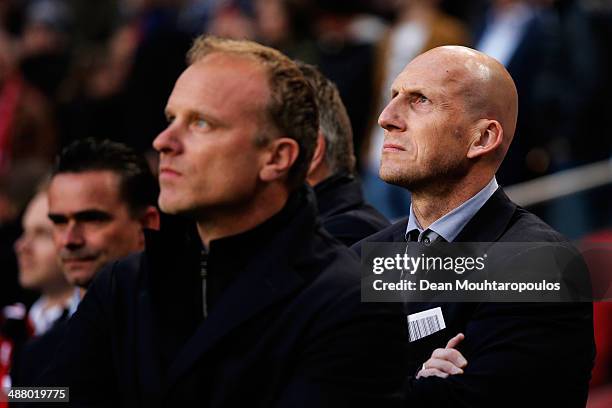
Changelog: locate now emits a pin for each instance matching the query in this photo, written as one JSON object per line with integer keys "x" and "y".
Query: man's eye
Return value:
{"x": 200, "y": 123}
{"x": 422, "y": 99}
{"x": 58, "y": 220}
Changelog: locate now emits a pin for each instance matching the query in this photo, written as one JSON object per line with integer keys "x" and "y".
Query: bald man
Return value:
{"x": 448, "y": 126}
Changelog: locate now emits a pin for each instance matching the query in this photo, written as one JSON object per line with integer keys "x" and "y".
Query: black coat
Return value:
{"x": 288, "y": 330}
{"x": 519, "y": 354}
{"x": 344, "y": 213}
{"x": 36, "y": 355}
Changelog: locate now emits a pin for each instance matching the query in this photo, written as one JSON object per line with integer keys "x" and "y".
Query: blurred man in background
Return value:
{"x": 16, "y": 191}
{"x": 39, "y": 270}
{"x": 332, "y": 171}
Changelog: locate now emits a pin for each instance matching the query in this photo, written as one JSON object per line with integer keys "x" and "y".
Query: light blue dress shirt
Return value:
{"x": 74, "y": 301}
{"x": 451, "y": 224}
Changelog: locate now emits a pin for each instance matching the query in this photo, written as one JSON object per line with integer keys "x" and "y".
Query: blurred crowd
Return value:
{"x": 71, "y": 69}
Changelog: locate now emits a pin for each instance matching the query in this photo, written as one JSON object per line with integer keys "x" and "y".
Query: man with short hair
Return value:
{"x": 102, "y": 195}
{"x": 448, "y": 126}
{"x": 259, "y": 306}
{"x": 342, "y": 209}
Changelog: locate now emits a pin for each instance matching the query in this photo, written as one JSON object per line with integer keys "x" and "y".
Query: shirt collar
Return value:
{"x": 74, "y": 301}
{"x": 41, "y": 317}
{"x": 451, "y": 224}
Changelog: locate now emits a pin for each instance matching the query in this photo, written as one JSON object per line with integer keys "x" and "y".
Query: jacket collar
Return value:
{"x": 491, "y": 221}
{"x": 338, "y": 194}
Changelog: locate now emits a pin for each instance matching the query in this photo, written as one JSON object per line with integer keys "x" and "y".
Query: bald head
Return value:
{"x": 485, "y": 85}
{"x": 449, "y": 122}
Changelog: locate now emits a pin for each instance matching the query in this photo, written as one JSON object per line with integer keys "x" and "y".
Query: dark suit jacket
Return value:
{"x": 344, "y": 213}
{"x": 288, "y": 331}
{"x": 519, "y": 354}
{"x": 37, "y": 354}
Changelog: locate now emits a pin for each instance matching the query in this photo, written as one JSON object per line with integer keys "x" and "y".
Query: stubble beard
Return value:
{"x": 436, "y": 177}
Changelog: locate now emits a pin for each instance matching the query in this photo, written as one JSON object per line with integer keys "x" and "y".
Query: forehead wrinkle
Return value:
{"x": 461, "y": 84}
{"x": 484, "y": 87}
{"x": 427, "y": 77}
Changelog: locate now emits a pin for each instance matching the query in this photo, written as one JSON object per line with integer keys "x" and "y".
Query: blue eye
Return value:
{"x": 422, "y": 99}
{"x": 200, "y": 123}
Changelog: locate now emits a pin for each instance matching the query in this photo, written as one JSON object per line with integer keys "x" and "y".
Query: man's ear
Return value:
{"x": 319, "y": 154}
{"x": 487, "y": 138}
{"x": 282, "y": 153}
{"x": 150, "y": 218}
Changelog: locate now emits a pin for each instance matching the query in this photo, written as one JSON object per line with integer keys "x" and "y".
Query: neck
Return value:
{"x": 58, "y": 297}
{"x": 318, "y": 175}
{"x": 223, "y": 223}
{"x": 429, "y": 205}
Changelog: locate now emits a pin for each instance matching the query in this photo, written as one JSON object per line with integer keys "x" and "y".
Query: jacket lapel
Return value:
{"x": 399, "y": 231}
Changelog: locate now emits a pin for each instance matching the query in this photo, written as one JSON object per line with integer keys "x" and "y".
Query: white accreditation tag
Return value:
{"x": 424, "y": 323}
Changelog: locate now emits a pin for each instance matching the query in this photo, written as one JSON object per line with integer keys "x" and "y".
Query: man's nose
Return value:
{"x": 390, "y": 118}
{"x": 168, "y": 140}
{"x": 22, "y": 244}
{"x": 73, "y": 236}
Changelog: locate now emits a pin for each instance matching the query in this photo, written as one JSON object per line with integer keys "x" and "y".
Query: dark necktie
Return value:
{"x": 413, "y": 250}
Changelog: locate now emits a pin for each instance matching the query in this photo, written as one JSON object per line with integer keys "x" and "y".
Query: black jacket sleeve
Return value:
{"x": 82, "y": 360}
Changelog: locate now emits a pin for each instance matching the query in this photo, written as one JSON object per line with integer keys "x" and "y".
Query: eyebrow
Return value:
{"x": 191, "y": 113}
{"x": 83, "y": 216}
{"x": 409, "y": 92}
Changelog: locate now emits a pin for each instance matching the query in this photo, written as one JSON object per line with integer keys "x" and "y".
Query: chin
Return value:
{"x": 28, "y": 284}
{"x": 79, "y": 277}
{"x": 168, "y": 206}
{"x": 176, "y": 204}
{"x": 395, "y": 178}
{"x": 81, "y": 281}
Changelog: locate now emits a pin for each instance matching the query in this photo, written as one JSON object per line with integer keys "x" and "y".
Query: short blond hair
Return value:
{"x": 292, "y": 108}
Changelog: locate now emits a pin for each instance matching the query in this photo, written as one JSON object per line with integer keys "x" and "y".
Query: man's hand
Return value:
{"x": 445, "y": 361}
